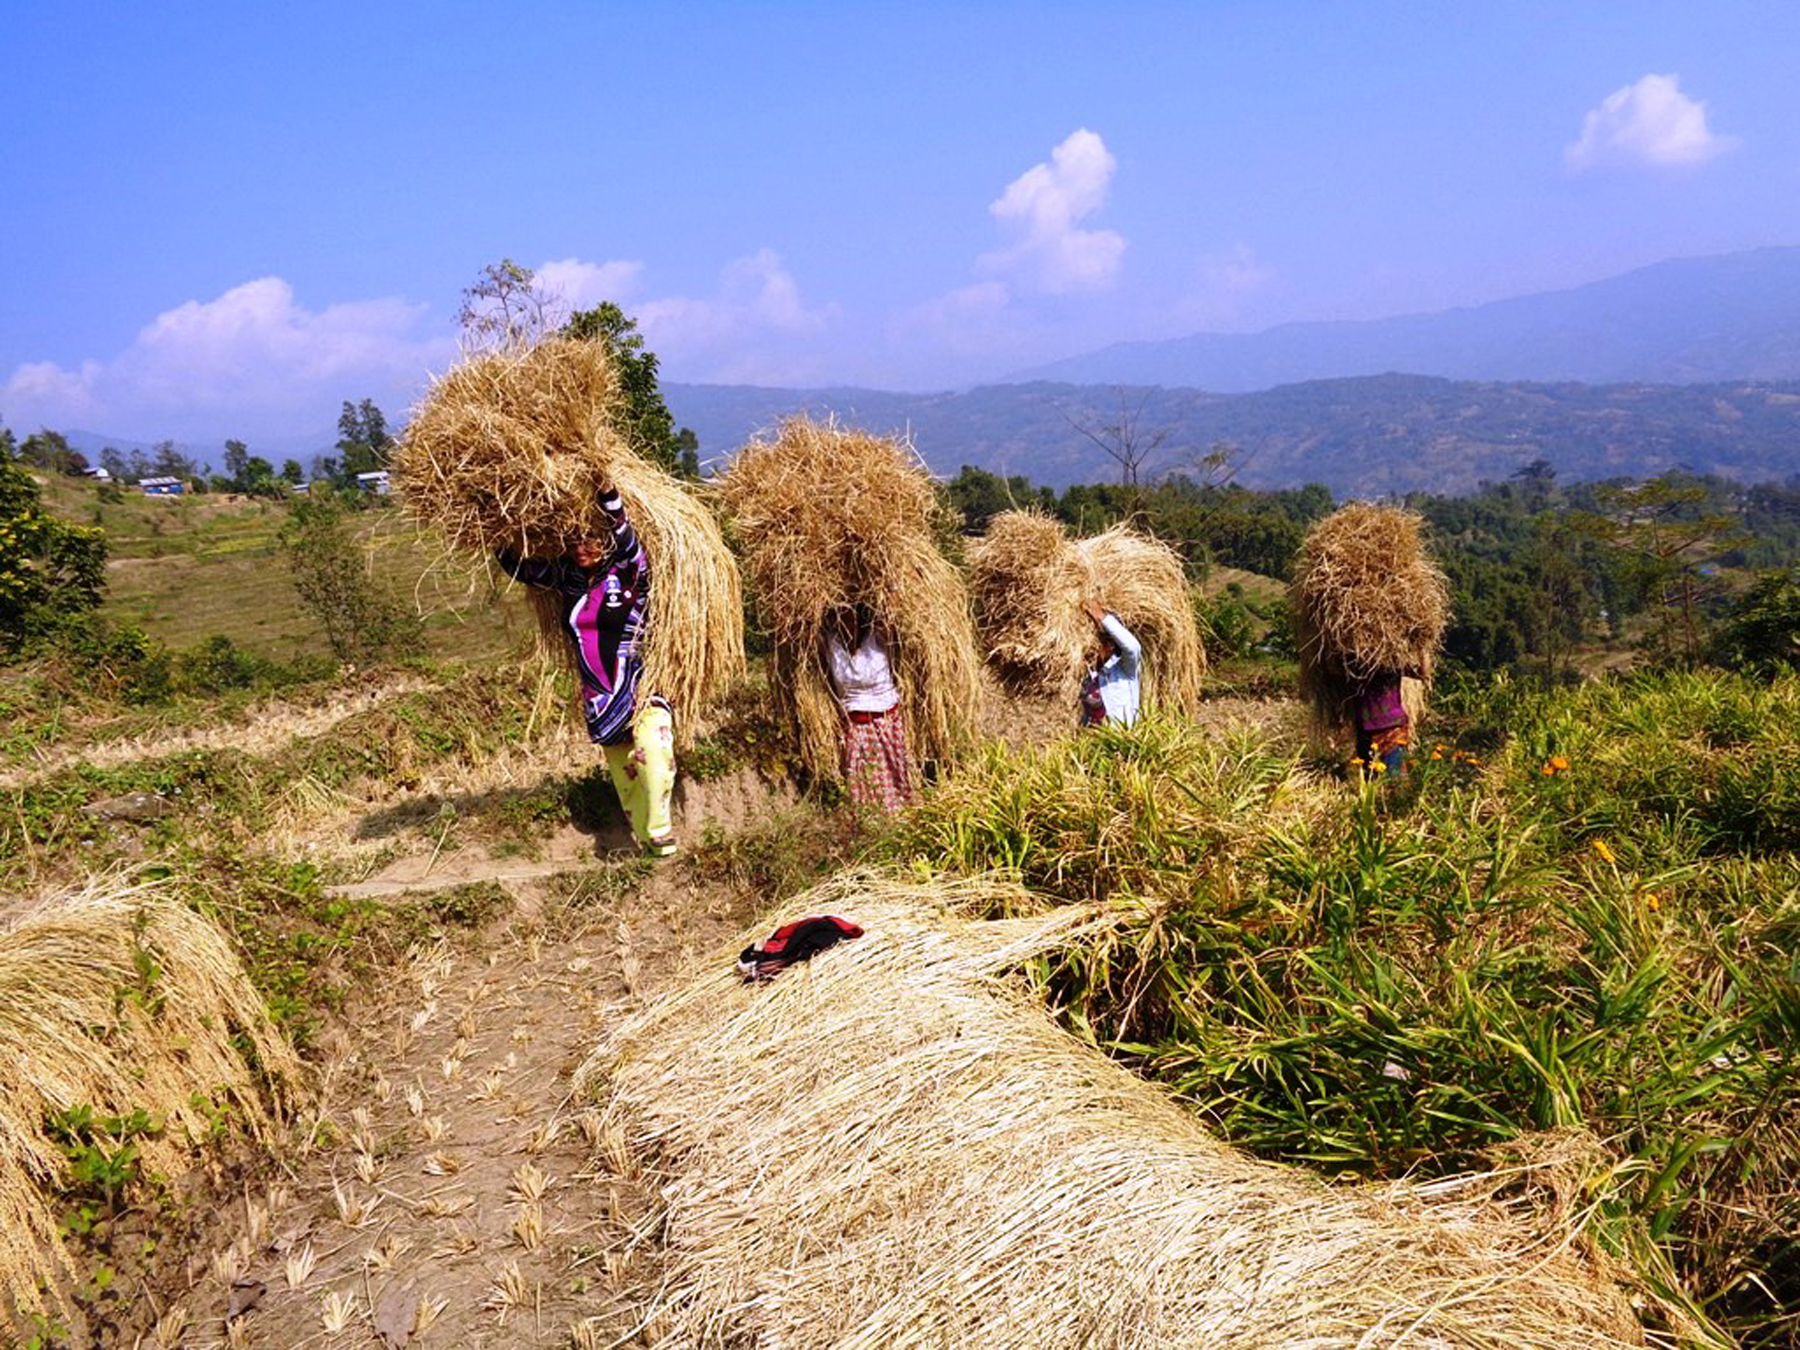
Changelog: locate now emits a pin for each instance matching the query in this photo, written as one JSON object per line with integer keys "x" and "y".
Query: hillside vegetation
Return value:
{"x": 1560, "y": 953}
{"x": 1369, "y": 434}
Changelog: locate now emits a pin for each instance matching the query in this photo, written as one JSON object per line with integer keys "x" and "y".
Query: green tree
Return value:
{"x": 363, "y": 443}
{"x": 169, "y": 462}
{"x": 51, "y": 451}
{"x": 291, "y": 472}
{"x": 643, "y": 419}
{"x": 259, "y": 478}
{"x": 362, "y": 622}
{"x": 1671, "y": 543}
{"x": 980, "y": 496}
{"x": 237, "y": 455}
{"x": 1762, "y": 632}
{"x": 50, "y": 570}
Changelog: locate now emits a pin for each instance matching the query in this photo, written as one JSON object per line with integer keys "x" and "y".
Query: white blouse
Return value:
{"x": 864, "y": 678}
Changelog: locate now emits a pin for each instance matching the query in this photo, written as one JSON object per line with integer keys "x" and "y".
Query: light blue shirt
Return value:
{"x": 1118, "y": 675}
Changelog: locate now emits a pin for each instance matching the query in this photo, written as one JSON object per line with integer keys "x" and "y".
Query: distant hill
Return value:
{"x": 1693, "y": 320}
{"x": 1383, "y": 434}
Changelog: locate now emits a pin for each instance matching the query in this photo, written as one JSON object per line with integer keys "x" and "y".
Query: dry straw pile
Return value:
{"x": 509, "y": 449}
{"x": 1367, "y": 599}
{"x": 117, "y": 999}
{"x": 894, "y": 1146}
{"x": 1030, "y": 581}
{"x": 828, "y": 518}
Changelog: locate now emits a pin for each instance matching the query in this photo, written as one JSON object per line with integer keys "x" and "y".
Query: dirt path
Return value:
{"x": 261, "y": 725}
{"x": 453, "y": 1192}
{"x": 447, "y": 1189}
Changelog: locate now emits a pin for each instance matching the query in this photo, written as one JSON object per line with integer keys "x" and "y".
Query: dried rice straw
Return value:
{"x": 829, "y": 518}
{"x": 509, "y": 449}
{"x": 1030, "y": 581}
{"x": 1368, "y": 600}
{"x": 894, "y": 1146}
{"x": 117, "y": 998}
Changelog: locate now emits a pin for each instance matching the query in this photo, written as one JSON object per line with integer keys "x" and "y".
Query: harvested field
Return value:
{"x": 893, "y": 1145}
{"x": 115, "y": 1000}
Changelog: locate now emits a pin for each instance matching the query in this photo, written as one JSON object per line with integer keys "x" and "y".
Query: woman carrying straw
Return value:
{"x": 605, "y": 586}
{"x": 1111, "y": 690}
{"x": 877, "y": 769}
{"x": 1383, "y": 726}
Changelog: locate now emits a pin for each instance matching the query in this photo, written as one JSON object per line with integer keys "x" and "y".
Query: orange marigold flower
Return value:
{"x": 1606, "y": 854}
{"x": 1650, "y": 900}
{"x": 1558, "y": 763}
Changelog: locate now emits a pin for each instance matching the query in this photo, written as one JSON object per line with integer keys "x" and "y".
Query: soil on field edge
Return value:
{"x": 452, "y": 1191}
{"x": 259, "y": 725}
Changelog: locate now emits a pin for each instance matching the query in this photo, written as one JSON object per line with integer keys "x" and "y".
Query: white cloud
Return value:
{"x": 1222, "y": 283}
{"x": 252, "y": 362}
{"x": 575, "y": 284}
{"x": 1650, "y": 122}
{"x": 1044, "y": 207}
{"x": 756, "y": 328}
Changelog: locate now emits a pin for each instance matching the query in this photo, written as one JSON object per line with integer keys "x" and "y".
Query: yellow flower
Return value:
{"x": 1606, "y": 854}
{"x": 1558, "y": 763}
{"x": 1376, "y": 766}
{"x": 1650, "y": 900}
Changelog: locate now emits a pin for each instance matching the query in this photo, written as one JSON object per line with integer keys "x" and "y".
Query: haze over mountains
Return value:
{"x": 1693, "y": 363}
{"x": 1692, "y": 320}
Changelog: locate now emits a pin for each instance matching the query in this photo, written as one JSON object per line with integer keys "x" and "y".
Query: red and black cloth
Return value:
{"x": 792, "y": 942}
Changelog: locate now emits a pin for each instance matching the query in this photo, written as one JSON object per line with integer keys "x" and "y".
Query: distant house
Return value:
{"x": 162, "y": 487}
{"x": 376, "y": 482}
{"x": 98, "y": 471}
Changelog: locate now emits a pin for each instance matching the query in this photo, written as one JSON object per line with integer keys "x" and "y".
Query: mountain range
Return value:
{"x": 1733, "y": 316}
{"x": 1692, "y": 363}
{"x": 1367, "y": 436}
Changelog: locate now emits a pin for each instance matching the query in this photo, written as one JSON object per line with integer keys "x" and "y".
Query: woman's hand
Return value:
{"x": 1094, "y": 612}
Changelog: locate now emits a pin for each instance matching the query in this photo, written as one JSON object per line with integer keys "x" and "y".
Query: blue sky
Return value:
{"x": 224, "y": 220}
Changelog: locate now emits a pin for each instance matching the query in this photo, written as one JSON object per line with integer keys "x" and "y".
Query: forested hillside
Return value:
{"x": 1388, "y": 433}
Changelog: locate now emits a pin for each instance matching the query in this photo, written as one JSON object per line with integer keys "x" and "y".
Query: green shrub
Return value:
{"x": 1412, "y": 983}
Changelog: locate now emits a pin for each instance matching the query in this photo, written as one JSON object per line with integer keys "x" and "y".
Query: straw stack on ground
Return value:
{"x": 117, "y": 999}
{"x": 828, "y": 518}
{"x": 1030, "y": 580}
{"x": 1367, "y": 600}
{"x": 509, "y": 449}
{"x": 894, "y": 1146}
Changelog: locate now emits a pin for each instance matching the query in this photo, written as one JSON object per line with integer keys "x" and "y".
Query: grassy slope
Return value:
{"x": 186, "y": 568}
{"x": 1590, "y": 967}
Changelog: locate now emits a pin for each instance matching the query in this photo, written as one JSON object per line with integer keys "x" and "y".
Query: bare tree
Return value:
{"x": 1218, "y": 464}
{"x": 506, "y": 307}
{"x": 1124, "y": 438}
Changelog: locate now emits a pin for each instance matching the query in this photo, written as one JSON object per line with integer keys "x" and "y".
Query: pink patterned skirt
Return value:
{"x": 877, "y": 769}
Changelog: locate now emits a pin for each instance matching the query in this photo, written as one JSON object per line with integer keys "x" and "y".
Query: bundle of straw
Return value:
{"x": 893, "y": 1145}
{"x": 117, "y": 999}
{"x": 509, "y": 450}
{"x": 1368, "y": 601}
{"x": 1030, "y": 581}
{"x": 827, "y": 519}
